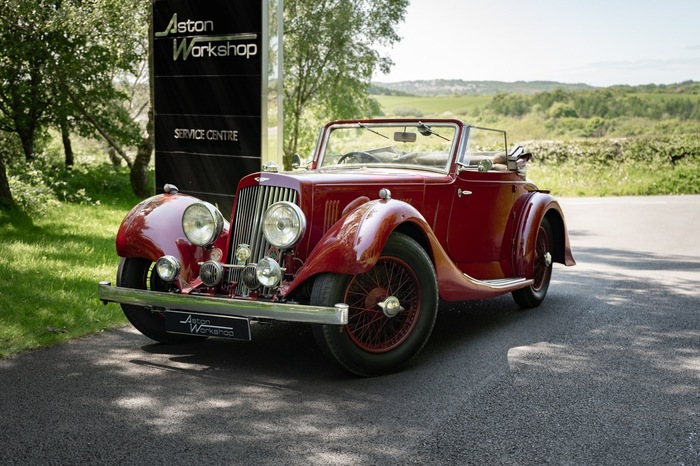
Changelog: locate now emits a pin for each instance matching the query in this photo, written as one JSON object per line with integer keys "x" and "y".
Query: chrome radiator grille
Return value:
{"x": 252, "y": 204}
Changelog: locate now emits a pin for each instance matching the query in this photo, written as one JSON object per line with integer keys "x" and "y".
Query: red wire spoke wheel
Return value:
{"x": 392, "y": 309}
{"x": 376, "y": 329}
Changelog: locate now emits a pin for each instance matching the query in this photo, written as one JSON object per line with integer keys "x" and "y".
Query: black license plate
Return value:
{"x": 207, "y": 325}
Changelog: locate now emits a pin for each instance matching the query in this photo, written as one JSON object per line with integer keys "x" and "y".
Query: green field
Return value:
{"x": 440, "y": 106}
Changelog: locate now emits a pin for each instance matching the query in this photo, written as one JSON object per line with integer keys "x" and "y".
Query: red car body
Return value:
{"x": 454, "y": 222}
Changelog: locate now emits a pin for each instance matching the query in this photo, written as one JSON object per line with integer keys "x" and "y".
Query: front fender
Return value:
{"x": 534, "y": 209}
{"x": 153, "y": 228}
{"x": 353, "y": 245}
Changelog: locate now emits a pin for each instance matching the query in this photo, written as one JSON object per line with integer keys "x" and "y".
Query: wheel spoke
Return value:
{"x": 540, "y": 263}
{"x": 368, "y": 326}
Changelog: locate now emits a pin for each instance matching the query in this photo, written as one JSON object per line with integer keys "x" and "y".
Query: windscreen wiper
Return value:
{"x": 426, "y": 130}
{"x": 371, "y": 130}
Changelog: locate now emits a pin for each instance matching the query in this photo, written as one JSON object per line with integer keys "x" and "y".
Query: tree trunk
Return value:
{"x": 113, "y": 156}
{"x": 27, "y": 140}
{"x": 97, "y": 126}
{"x": 139, "y": 170}
{"x": 6, "y": 199}
{"x": 67, "y": 147}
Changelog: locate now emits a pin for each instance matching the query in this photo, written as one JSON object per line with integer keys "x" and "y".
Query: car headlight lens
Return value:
{"x": 202, "y": 223}
{"x": 283, "y": 224}
{"x": 168, "y": 268}
{"x": 268, "y": 272}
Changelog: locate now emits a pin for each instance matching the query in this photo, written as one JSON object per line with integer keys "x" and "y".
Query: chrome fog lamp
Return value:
{"x": 202, "y": 223}
{"x": 268, "y": 272}
{"x": 283, "y": 224}
{"x": 168, "y": 268}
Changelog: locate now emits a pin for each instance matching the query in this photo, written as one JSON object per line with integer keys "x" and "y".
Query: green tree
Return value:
{"x": 330, "y": 56}
{"x": 509, "y": 104}
{"x": 562, "y": 110}
{"x": 60, "y": 64}
{"x": 99, "y": 44}
{"x": 25, "y": 92}
{"x": 547, "y": 99}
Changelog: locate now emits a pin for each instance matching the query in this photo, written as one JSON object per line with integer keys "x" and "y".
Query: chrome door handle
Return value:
{"x": 461, "y": 193}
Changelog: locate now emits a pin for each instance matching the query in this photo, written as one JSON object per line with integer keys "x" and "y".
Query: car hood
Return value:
{"x": 351, "y": 176}
{"x": 328, "y": 194}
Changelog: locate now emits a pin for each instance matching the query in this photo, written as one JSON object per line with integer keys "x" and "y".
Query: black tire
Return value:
{"x": 533, "y": 295}
{"x": 138, "y": 273}
{"x": 377, "y": 341}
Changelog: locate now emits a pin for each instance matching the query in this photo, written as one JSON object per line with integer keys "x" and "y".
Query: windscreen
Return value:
{"x": 416, "y": 145}
{"x": 485, "y": 142}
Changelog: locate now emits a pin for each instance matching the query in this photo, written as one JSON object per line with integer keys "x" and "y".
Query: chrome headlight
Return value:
{"x": 202, "y": 223}
{"x": 283, "y": 224}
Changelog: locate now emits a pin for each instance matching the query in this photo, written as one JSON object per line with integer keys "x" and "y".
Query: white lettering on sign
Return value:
{"x": 205, "y": 327}
{"x": 206, "y": 134}
{"x": 209, "y": 49}
{"x": 183, "y": 27}
{"x": 208, "y": 46}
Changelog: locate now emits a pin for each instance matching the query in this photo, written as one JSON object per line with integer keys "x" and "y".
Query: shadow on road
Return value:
{"x": 606, "y": 369}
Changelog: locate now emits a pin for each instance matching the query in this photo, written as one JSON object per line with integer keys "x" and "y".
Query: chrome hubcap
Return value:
{"x": 547, "y": 259}
{"x": 391, "y": 306}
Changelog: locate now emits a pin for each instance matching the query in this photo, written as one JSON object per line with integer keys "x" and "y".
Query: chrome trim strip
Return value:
{"x": 337, "y": 315}
{"x": 500, "y": 284}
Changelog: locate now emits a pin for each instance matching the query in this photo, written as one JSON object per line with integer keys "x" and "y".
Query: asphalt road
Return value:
{"x": 606, "y": 371}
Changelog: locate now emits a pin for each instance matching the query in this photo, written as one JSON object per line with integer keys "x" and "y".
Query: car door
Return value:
{"x": 480, "y": 226}
{"x": 480, "y": 223}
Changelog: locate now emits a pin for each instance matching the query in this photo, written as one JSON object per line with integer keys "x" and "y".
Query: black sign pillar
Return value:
{"x": 210, "y": 91}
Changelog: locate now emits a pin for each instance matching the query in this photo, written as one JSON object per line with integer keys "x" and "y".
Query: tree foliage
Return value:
{"x": 60, "y": 64}
{"x": 330, "y": 55}
{"x": 613, "y": 102}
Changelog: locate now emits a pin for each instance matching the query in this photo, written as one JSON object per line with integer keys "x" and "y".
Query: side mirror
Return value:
{"x": 296, "y": 161}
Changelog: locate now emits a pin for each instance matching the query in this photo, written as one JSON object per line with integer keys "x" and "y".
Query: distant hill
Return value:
{"x": 460, "y": 87}
{"x": 451, "y": 87}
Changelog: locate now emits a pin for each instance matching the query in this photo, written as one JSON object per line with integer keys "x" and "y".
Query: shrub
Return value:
{"x": 44, "y": 184}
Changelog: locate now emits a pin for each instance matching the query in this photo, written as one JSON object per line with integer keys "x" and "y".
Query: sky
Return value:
{"x": 595, "y": 42}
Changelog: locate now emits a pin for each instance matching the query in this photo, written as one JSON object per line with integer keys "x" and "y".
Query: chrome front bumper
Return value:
{"x": 156, "y": 300}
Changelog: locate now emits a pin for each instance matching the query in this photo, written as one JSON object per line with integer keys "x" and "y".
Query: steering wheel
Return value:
{"x": 360, "y": 157}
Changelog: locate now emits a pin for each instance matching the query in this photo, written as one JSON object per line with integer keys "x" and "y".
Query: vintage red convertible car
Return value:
{"x": 389, "y": 218}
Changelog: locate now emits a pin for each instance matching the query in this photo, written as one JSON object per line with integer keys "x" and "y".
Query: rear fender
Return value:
{"x": 153, "y": 228}
{"x": 533, "y": 210}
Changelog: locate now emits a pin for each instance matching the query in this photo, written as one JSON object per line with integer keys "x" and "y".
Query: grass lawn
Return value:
{"x": 49, "y": 269}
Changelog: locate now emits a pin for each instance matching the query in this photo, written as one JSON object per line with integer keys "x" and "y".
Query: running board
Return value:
{"x": 502, "y": 285}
